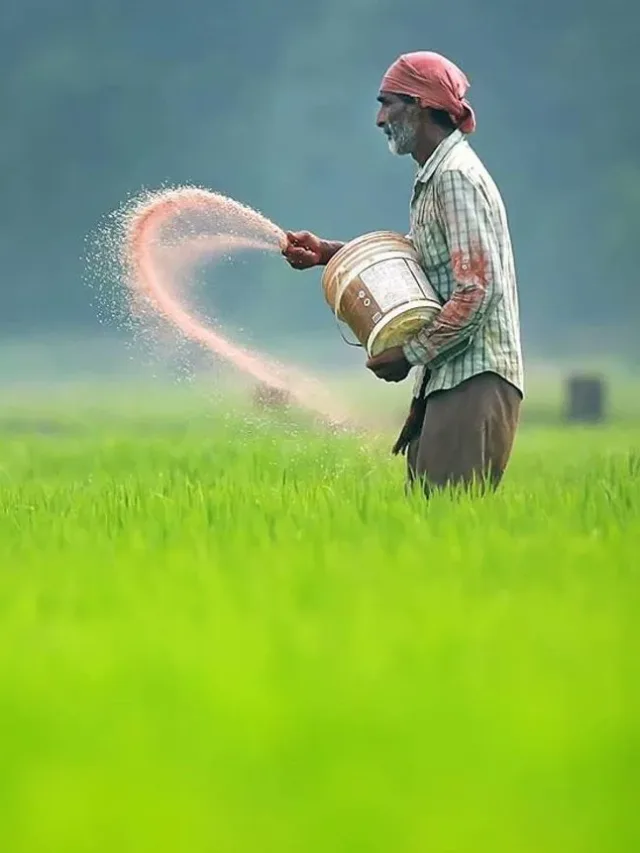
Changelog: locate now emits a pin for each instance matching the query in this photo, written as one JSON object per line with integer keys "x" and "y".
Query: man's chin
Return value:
{"x": 398, "y": 152}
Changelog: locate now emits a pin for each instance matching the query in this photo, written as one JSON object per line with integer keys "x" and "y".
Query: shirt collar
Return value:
{"x": 448, "y": 144}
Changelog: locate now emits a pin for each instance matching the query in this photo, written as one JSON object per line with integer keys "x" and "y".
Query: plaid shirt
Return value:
{"x": 459, "y": 229}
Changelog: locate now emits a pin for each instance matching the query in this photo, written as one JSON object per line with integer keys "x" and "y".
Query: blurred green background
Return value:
{"x": 274, "y": 104}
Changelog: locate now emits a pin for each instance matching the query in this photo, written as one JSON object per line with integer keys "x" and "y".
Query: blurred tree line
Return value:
{"x": 274, "y": 104}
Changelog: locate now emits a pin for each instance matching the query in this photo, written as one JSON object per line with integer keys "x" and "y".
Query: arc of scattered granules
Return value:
{"x": 157, "y": 281}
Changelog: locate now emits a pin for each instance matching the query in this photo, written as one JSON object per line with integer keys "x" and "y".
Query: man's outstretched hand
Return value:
{"x": 391, "y": 365}
{"x": 303, "y": 250}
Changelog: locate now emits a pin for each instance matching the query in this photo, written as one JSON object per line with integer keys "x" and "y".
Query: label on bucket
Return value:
{"x": 391, "y": 283}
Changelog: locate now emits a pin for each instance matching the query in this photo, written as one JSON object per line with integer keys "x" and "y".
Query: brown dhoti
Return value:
{"x": 467, "y": 435}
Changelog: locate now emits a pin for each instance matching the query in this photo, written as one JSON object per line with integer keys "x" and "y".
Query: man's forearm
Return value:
{"x": 453, "y": 330}
{"x": 420, "y": 355}
{"x": 329, "y": 249}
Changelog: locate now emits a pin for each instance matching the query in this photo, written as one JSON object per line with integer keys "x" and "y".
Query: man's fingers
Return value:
{"x": 298, "y": 238}
{"x": 389, "y": 373}
{"x": 300, "y": 263}
{"x": 299, "y": 253}
{"x": 298, "y": 257}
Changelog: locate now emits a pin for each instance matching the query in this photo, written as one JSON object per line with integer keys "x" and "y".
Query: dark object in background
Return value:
{"x": 585, "y": 401}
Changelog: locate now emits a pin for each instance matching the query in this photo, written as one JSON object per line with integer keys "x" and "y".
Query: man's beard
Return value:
{"x": 401, "y": 137}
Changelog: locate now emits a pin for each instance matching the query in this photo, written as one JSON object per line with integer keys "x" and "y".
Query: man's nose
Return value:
{"x": 381, "y": 118}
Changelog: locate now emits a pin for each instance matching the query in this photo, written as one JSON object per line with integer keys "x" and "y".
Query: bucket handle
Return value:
{"x": 335, "y": 312}
{"x": 351, "y": 343}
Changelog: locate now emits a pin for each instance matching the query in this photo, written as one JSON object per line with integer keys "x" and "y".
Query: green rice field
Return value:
{"x": 228, "y": 632}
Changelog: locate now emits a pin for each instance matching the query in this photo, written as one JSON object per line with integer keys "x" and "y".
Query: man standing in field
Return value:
{"x": 465, "y": 410}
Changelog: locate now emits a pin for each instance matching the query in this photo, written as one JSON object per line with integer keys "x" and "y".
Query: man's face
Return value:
{"x": 399, "y": 120}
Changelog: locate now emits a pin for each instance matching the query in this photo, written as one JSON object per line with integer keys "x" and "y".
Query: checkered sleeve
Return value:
{"x": 470, "y": 230}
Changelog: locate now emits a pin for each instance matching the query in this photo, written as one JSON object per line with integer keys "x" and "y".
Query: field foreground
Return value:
{"x": 244, "y": 637}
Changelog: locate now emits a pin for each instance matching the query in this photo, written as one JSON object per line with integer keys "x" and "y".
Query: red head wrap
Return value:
{"x": 436, "y": 82}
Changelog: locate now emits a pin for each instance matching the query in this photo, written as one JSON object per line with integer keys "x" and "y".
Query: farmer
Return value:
{"x": 465, "y": 409}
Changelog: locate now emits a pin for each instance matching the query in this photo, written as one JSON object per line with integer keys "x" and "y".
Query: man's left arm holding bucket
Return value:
{"x": 470, "y": 230}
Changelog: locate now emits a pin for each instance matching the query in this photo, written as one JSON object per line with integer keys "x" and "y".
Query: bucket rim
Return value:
{"x": 356, "y": 241}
